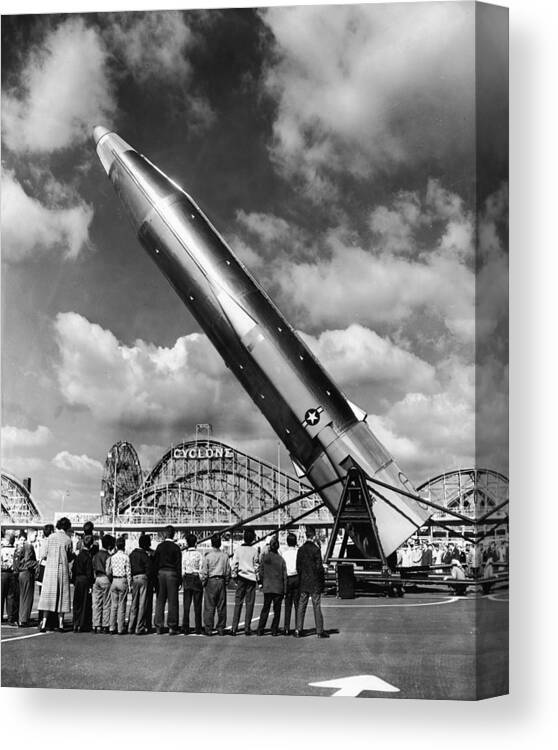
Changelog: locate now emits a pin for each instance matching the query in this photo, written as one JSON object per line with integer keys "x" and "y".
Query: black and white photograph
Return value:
{"x": 255, "y": 351}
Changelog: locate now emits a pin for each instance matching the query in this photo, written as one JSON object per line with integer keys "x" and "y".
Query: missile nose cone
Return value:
{"x": 109, "y": 146}
{"x": 98, "y": 132}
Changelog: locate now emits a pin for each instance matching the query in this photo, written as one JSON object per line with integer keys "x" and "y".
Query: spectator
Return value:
{"x": 245, "y": 569}
{"x": 457, "y": 572}
{"x": 55, "y": 592}
{"x": 215, "y": 575}
{"x": 141, "y": 568}
{"x": 311, "y": 572}
{"x": 10, "y": 593}
{"x": 273, "y": 577}
{"x": 292, "y": 594}
{"x": 101, "y": 586}
{"x": 150, "y": 589}
{"x": 168, "y": 569}
{"x": 89, "y": 530}
{"x": 416, "y": 554}
{"x": 83, "y": 581}
{"x": 25, "y": 563}
{"x": 448, "y": 554}
{"x": 118, "y": 570}
{"x": 48, "y": 529}
{"x": 427, "y": 556}
{"x": 192, "y": 589}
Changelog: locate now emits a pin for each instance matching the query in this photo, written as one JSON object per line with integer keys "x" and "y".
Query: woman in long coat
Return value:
{"x": 55, "y": 592}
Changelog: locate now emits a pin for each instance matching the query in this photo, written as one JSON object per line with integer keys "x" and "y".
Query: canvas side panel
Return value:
{"x": 491, "y": 344}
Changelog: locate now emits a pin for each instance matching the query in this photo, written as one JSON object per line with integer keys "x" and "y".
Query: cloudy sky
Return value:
{"x": 334, "y": 147}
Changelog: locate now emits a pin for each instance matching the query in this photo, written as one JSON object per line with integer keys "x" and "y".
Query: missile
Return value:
{"x": 322, "y": 430}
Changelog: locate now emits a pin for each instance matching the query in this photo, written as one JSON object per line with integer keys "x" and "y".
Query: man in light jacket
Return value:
{"x": 244, "y": 567}
{"x": 215, "y": 574}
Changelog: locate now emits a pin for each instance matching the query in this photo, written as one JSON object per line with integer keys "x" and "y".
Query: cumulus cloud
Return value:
{"x": 29, "y": 227}
{"x": 358, "y": 356}
{"x": 415, "y": 267}
{"x": 385, "y": 290}
{"x": 68, "y": 81}
{"x": 23, "y": 466}
{"x": 63, "y": 88}
{"x": 273, "y": 237}
{"x": 359, "y": 88}
{"x": 152, "y": 44}
{"x": 200, "y": 113}
{"x": 144, "y": 385}
{"x": 81, "y": 465}
{"x": 406, "y": 451}
{"x": 20, "y": 438}
{"x": 155, "y": 47}
{"x": 492, "y": 284}
{"x": 433, "y": 432}
{"x": 267, "y": 227}
{"x": 395, "y": 226}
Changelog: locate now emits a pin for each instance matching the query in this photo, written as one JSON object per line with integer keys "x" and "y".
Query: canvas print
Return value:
{"x": 255, "y": 351}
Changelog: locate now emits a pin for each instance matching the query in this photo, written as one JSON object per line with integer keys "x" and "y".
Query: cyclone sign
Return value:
{"x": 200, "y": 453}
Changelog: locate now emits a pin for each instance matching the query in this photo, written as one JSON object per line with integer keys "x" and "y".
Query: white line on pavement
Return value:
{"x": 402, "y": 604}
{"x": 496, "y": 598}
{"x": 22, "y": 637}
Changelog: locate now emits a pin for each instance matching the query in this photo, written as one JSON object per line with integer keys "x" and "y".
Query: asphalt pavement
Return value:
{"x": 421, "y": 646}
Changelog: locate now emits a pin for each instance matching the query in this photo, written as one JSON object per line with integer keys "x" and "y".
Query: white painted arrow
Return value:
{"x": 350, "y": 687}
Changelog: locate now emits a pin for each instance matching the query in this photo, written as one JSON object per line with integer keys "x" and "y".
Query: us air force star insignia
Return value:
{"x": 312, "y": 417}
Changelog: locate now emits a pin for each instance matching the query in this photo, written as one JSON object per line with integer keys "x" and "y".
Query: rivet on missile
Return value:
{"x": 279, "y": 329}
{"x": 191, "y": 298}
{"x": 157, "y": 250}
{"x": 300, "y": 356}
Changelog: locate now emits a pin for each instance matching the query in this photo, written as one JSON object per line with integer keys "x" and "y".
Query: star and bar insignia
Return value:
{"x": 312, "y": 417}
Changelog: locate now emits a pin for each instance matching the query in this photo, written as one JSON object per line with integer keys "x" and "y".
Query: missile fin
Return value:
{"x": 299, "y": 471}
{"x": 359, "y": 413}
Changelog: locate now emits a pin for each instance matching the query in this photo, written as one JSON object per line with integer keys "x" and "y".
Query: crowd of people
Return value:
{"x": 473, "y": 560}
{"x": 113, "y": 589}
{"x": 115, "y": 585}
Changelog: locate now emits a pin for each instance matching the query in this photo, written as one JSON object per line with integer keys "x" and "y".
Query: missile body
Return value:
{"x": 317, "y": 424}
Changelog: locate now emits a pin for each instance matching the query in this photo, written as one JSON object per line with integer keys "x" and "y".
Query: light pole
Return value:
{"x": 114, "y": 455}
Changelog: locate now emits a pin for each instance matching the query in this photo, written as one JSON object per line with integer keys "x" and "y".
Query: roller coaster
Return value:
{"x": 202, "y": 483}
{"x": 18, "y": 505}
